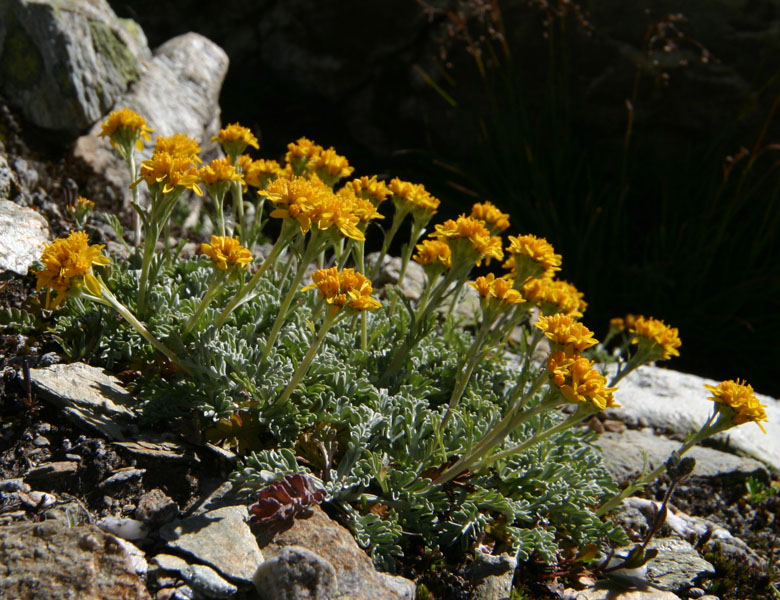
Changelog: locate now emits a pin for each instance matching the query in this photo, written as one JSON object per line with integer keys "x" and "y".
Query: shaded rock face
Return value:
{"x": 64, "y": 64}
{"x": 50, "y": 561}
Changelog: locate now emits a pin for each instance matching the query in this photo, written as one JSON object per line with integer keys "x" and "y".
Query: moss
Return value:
{"x": 22, "y": 64}
{"x": 133, "y": 29}
{"x": 110, "y": 46}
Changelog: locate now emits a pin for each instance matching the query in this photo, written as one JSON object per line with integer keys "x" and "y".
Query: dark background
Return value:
{"x": 606, "y": 127}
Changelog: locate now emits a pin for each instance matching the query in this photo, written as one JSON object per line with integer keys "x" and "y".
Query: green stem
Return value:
{"x": 130, "y": 161}
{"x": 215, "y": 286}
{"x": 398, "y": 218}
{"x": 418, "y": 227}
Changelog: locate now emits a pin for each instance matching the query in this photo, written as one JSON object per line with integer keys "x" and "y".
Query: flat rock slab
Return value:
{"x": 627, "y": 454}
{"x": 23, "y": 233}
{"x": 220, "y": 538}
{"x": 51, "y": 561}
{"x": 677, "y": 564}
{"x": 89, "y": 396}
{"x": 677, "y": 402}
{"x": 356, "y": 577}
{"x": 611, "y": 593}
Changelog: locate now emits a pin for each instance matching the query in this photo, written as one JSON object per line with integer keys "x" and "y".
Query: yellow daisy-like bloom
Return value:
{"x": 258, "y": 173}
{"x": 413, "y": 197}
{"x": 433, "y": 251}
{"x": 345, "y": 289}
{"x": 490, "y": 214}
{"x": 82, "y": 205}
{"x": 331, "y": 211}
{"x": 563, "y": 330}
{"x": 235, "y": 138}
{"x": 173, "y": 173}
{"x": 178, "y": 144}
{"x": 554, "y": 296}
{"x": 531, "y": 256}
{"x": 500, "y": 289}
{"x": 361, "y": 207}
{"x": 740, "y": 398}
{"x": 621, "y": 324}
{"x": 369, "y": 188}
{"x": 299, "y": 152}
{"x": 665, "y": 338}
{"x": 218, "y": 172}
{"x": 481, "y": 245}
{"x": 125, "y": 128}
{"x": 67, "y": 264}
{"x": 578, "y": 381}
{"x": 329, "y": 166}
{"x": 226, "y": 252}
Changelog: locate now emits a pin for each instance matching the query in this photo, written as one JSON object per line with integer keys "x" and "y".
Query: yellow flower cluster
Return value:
{"x": 471, "y": 235}
{"x": 488, "y": 212}
{"x": 258, "y": 173}
{"x": 125, "y": 128}
{"x": 235, "y": 138}
{"x": 664, "y": 338}
{"x": 307, "y": 158}
{"x": 413, "y": 198}
{"x": 363, "y": 208}
{"x": 740, "y": 400}
{"x": 578, "y": 381}
{"x": 499, "y": 289}
{"x": 82, "y": 204}
{"x": 431, "y": 252}
{"x": 623, "y": 323}
{"x": 369, "y": 188}
{"x": 563, "y": 330}
{"x": 226, "y": 252}
{"x": 178, "y": 144}
{"x": 309, "y": 201}
{"x": 168, "y": 173}
{"x": 531, "y": 256}
{"x": 347, "y": 288}
{"x": 67, "y": 264}
{"x": 555, "y": 296}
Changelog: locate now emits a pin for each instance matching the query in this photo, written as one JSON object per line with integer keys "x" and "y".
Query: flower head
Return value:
{"x": 660, "y": 339}
{"x": 178, "y": 144}
{"x": 488, "y": 212}
{"x": 226, "y": 252}
{"x": 469, "y": 240}
{"x": 67, "y": 265}
{"x": 413, "y": 198}
{"x": 345, "y": 289}
{"x": 329, "y": 166}
{"x": 623, "y": 323}
{"x": 369, "y": 188}
{"x": 554, "y": 296}
{"x": 361, "y": 207}
{"x": 125, "y": 128}
{"x": 578, "y": 381}
{"x": 167, "y": 173}
{"x": 567, "y": 333}
{"x": 497, "y": 290}
{"x": 218, "y": 175}
{"x": 738, "y": 402}
{"x": 531, "y": 256}
{"x": 299, "y": 153}
{"x": 258, "y": 173}
{"x": 431, "y": 252}
{"x": 235, "y": 138}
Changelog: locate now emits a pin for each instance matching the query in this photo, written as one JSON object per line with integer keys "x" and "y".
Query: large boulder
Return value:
{"x": 63, "y": 63}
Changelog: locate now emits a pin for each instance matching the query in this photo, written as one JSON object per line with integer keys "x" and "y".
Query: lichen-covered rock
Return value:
{"x": 64, "y": 64}
{"x": 23, "y": 233}
{"x": 50, "y": 561}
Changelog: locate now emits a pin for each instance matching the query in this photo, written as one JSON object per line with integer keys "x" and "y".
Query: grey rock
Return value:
{"x": 295, "y": 573}
{"x": 178, "y": 93}
{"x": 14, "y": 485}
{"x": 156, "y": 447}
{"x": 51, "y": 475}
{"x": 170, "y": 562}
{"x": 8, "y": 182}
{"x": 65, "y": 63}
{"x": 23, "y": 234}
{"x": 356, "y": 577}
{"x": 492, "y": 576}
{"x": 122, "y": 476}
{"x": 206, "y": 582}
{"x": 677, "y": 564}
{"x": 627, "y": 454}
{"x": 50, "y": 561}
{"x": 89, "y": 396}
{"x": 677, "y": 402}
{"x": 128, "y": 529}
{"x": 604, "y": 592}
{"x": 220, "y": 538}
{"x": 156, "y": 507}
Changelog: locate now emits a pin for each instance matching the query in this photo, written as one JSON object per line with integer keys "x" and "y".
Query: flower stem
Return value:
{"x": 218, "y": 278}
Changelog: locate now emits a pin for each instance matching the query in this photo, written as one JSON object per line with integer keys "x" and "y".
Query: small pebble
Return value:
{"x": 128, "y": 529}
{"x": 73, "y": 457}
{"x": 696, "y": 592}
{"x": 40, "y": 441}
{"x": 14, "y": 485}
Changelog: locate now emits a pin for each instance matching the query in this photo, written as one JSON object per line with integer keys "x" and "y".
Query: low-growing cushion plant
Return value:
{"x": 425, "y": 431}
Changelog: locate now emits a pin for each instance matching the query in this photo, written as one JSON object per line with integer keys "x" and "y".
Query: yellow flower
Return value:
{"x": 433, "y": 252}
{"x": 361, "y": 207}
{"x": 578, "y": 381}
{"x": 347, "y": 288}
{"x": 554, "y": 296}
{"x": 414, "y": 198}
{"x": 331, "y": 211}
{"x": 369, "y": 188}
{"x": 258, "y": 173}
{"x": 621, "y": 324}
{"x": 738, "y": 401}
{"x": 67, "y": 264}
{"x": 489, "y": 213}
{"x": 82, "y": 206}
{"x": 173, "y": 173}
{"x": 235, "y": 138}
{"x": 500, "y": 289}
{"x": 479, "y": 243}
{"x": 531, "y": 256}
{"x": 300, "y": 151}
{"x": 329, "y": 166}
{"x": 125, "y": 128}
{"x": 663, "y": 338}
{"x": 226, "y": 252}
{"x": 178, "y": 144}
{"x": 566, "y": 332}
{"x": 218, "y": 175}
